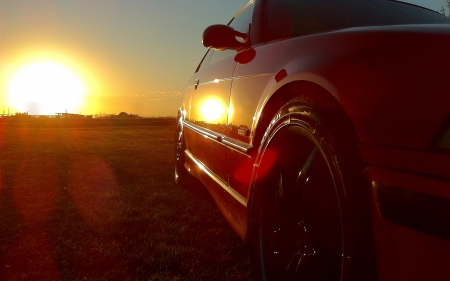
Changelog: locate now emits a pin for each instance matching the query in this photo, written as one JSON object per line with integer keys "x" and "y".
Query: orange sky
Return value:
{"x": 133, "y": 56}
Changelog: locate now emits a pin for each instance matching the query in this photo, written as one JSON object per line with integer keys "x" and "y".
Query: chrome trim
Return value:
{"x": 237, "y": 144}
{"x": 203, "y": 131}
{"x": 215, "y": 178}
{"x": 230, "y": 142}
{"x": 252, "y": 76}
{"x": 215, "y": 81}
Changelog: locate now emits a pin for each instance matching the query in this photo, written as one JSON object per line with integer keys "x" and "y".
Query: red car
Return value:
{"x": 322, "y": 131}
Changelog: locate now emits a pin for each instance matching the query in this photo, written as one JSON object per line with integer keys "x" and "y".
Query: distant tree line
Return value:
{"x": 121, "y": 115}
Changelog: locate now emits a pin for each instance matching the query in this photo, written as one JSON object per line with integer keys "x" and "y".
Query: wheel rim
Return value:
{"x": 300, "y": 229}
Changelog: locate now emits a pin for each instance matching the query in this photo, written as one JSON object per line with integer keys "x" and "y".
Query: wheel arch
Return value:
{"x": 357, "y": 211}
{"x": 302, "y": 90}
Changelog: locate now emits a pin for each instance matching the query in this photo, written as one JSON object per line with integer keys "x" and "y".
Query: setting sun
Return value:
{"x": 45, "y": 87}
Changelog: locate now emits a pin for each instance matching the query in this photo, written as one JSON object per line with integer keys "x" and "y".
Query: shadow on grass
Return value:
{"x": 196, "y": 188}
{"x": 100, "y": 204}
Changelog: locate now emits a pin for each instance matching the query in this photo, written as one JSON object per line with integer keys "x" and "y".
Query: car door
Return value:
{"x": 208, "y": 119}
{"x": 258, "y": 70}
{"x": 208, "y": 114}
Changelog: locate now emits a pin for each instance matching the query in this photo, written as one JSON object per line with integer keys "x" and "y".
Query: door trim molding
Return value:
{"x": 227, "y": 141}
{"x": 215, "y": 178}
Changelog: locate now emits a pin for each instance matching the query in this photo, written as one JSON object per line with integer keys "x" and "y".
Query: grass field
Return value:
{"x": 98, "y": 203}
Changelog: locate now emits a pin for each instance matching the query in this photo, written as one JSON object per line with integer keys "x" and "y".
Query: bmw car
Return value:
{"x": 321, "y": 129}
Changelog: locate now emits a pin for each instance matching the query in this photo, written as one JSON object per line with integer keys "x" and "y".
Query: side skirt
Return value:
{"x": 232, "y": 205}
{"x": 222, "y": 184}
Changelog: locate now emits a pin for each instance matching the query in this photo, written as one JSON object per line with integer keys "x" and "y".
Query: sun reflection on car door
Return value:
{"x": 209, "y": 111}
{"x": 210, "y": 103}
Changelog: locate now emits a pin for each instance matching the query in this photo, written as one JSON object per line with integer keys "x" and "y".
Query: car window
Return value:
{"x": 441, "y": 6}
{"x": 241, "y": 23}
{"x": 287, "y": 18}
{"x": 205, "y": 60}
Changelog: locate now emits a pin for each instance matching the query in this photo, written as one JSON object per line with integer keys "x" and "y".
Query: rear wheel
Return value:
{"x": 308, "y": 207}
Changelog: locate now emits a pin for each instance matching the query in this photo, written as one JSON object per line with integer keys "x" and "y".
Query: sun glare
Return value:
{"x": 212, "y": 110}
{"x": 45, "y": 87}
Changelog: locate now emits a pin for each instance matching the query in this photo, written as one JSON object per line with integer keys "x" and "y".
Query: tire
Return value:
{"x": 308, "y": 209}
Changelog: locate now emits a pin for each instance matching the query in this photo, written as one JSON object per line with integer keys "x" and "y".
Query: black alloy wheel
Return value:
{"x": 309, "y": 217}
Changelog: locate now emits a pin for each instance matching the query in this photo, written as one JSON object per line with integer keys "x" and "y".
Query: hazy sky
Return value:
{"x": 133, "y": 56}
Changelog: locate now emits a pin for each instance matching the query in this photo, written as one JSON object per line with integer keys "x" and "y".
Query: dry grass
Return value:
{"x": 99, "y": 203}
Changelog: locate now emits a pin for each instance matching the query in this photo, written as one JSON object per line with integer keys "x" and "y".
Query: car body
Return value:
{"x": 365, "y": 83}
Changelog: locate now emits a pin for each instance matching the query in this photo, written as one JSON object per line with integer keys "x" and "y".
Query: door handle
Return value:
{"x": 197, "y": 81}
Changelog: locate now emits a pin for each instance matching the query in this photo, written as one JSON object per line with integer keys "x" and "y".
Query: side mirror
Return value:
{"x": 222, "y": 37}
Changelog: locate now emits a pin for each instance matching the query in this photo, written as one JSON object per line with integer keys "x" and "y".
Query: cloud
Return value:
{"x": 164, "y": 96}
{"x": 152, "y": 95}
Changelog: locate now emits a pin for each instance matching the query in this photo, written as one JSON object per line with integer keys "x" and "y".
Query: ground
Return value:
{"x": 92, "y": 201}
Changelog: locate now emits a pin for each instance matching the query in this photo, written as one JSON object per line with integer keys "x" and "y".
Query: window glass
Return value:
{"x": 441, "y": 6}
{"x": 242, "y": 24}
{"x": 205, "y": 61}
{"x": 242, "y": 21}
